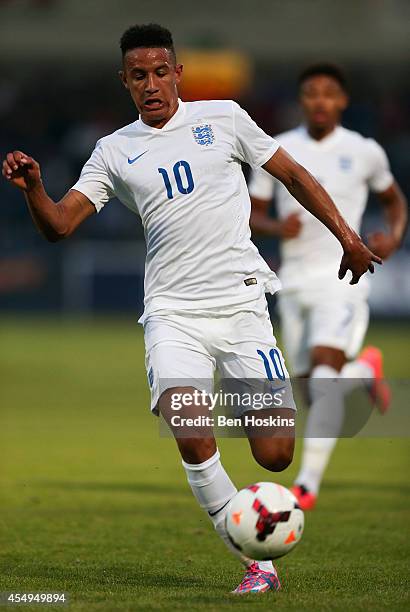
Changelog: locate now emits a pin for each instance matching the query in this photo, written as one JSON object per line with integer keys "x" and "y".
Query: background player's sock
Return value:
{"x": 315, "y": 457}
{"x": 354, "y": 374}
{"x": 324, "y": 423}
{"x": 213, "y": 490}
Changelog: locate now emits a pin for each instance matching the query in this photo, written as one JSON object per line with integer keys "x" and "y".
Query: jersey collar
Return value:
{"x": 326, "y": 143}
{"x": 174, "y": 122}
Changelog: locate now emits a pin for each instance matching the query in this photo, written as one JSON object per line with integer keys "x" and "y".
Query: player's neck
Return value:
{"x": 319, "y": 132}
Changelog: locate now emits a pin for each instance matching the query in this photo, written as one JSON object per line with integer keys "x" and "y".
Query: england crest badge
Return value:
{"x": 203, "y": 134}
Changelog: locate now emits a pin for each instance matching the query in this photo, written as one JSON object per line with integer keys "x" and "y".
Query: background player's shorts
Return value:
{"x": 185, "y": 350}
{"x": 310, "y": 319}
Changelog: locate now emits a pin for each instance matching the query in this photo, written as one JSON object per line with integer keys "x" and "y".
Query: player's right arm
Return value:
{"x": 55, "y": 220}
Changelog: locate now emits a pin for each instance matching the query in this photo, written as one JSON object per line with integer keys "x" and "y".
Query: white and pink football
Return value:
{"x": 264, "y": 521}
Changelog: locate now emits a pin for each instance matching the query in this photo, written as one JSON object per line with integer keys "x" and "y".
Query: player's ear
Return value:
{"x": 123, "y": 78}
{"x": 178, "y": 72}
{"x": 344, "y": 101}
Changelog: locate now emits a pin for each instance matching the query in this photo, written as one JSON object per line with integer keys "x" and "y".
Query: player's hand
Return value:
{"x": 21, "y": 170}
{"x": 359, "y": 259}
{"x": 382, "y": 244}
{"x": 290, "y": 227}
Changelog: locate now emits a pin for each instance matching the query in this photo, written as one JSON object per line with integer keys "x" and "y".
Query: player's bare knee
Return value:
{"x": 275, "y": 458}
{"x": 325, "y": 355}
{"x": 278, "y": 463}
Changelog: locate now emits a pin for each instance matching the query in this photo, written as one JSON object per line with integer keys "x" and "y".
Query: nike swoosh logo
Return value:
{"x": 131, "y": 161}
{"x": 278, "y": 388}
{"x": 219, "y": 509}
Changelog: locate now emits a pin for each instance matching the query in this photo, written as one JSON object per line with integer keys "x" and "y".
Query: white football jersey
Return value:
{"x": 347, "y": 165}
{"x": 186, "y": 183}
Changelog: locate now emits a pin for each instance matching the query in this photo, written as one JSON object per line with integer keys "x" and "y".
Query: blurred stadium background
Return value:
{"x": 59, "y": 93}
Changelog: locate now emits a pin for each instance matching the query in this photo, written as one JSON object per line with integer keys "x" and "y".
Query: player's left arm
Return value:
{"x": 395, "y": 208}
{"x": 311, "y": 195}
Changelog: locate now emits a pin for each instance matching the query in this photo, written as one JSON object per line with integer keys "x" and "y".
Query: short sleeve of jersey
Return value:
{"x": 252, "y": 144}
{"x": 379, "y": 174}
{"x": 94, "y": 181}
{"x": 261, "y": 184}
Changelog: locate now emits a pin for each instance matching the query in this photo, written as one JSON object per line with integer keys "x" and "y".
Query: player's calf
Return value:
{"x": 196, "y": 450}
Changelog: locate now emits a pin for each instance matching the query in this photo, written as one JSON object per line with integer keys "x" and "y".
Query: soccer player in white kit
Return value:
{"x": 324, "y": 321}
{"x": 179, "y": 168}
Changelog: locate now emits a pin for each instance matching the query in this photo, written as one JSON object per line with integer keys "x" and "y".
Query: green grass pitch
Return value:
{"x": 93, "y": 502}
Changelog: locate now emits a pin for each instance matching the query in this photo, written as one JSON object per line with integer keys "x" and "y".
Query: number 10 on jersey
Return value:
{"x": 185, "y": 184}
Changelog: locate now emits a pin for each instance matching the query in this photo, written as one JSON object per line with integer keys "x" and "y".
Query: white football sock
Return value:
{"x": 355, "y": 374}
{"x": 213, "y": 490}
{"x": 324, "y": 423}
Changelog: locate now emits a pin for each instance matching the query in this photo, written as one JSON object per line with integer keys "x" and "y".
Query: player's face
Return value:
{"x": 152, "y": 78}
{"x": 323, "y": 101}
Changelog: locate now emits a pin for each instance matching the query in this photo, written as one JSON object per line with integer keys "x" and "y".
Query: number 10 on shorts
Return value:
{"x": 275, "y": 359}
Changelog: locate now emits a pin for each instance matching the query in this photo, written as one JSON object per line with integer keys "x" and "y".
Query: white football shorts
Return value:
{"x": 312, "y": 318}
{"x": 186, "y": 350}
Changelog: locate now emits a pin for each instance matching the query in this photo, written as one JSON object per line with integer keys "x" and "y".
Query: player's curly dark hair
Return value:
{"x": 149, "y": 36}
{"x": 331, "y": 70}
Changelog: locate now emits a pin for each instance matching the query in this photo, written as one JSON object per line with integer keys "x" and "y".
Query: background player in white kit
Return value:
{"x": 324, "y": 321}
{"x": 179, "y": 168}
